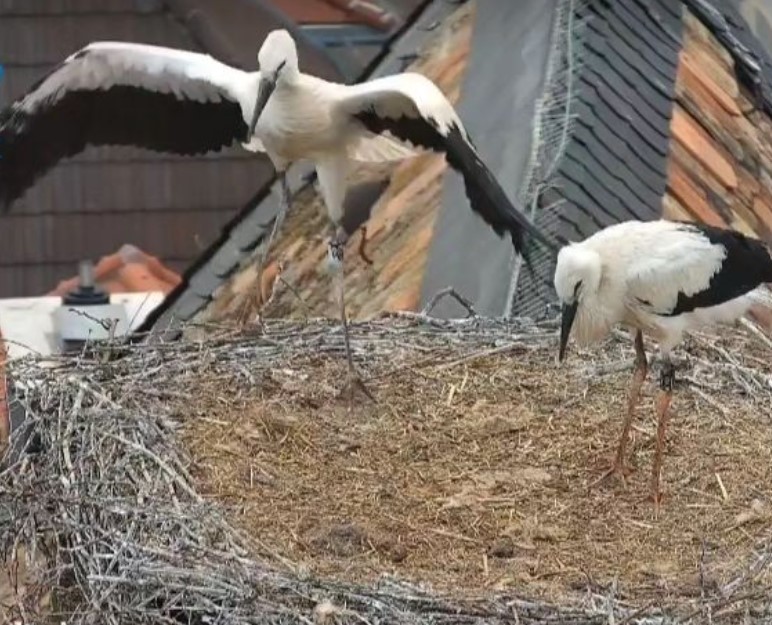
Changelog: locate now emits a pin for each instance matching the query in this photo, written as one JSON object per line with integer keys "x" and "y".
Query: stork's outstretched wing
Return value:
{"x": 114, "y": 93}
{"x": 411, "y": 108}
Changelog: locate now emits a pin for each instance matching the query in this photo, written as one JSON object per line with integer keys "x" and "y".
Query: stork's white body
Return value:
{"x": 298, "y": 123}
{"x": 309, "y": 119}
{"x": 643, "y": 269}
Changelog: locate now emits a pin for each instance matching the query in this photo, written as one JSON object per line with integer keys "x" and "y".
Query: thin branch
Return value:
{"x": 449, "y": 292}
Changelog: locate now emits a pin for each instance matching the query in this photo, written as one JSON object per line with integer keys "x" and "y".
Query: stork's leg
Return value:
{"x": 619, "y": 467}
{"x": 666, "y": 382}
{"x": 362, "y": 243}
{"x": 254, "y": 304}
{"x": 284, "y": 205}
{"x": 336, "y": 250}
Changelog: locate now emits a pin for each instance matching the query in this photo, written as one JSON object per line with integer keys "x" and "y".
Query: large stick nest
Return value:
{"x": 102, "y": 506}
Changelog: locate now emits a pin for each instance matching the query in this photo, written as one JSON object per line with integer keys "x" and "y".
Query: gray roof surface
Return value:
{"x": 504, "y": 79}
{"x": 614, "y": 166}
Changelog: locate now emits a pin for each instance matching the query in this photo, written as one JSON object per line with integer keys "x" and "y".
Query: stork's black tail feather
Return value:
{"x": 486, "y": 196}
{"x": 488, "y": 199}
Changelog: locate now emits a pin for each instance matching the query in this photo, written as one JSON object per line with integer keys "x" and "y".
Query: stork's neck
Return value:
{"x": 290, "y": 77}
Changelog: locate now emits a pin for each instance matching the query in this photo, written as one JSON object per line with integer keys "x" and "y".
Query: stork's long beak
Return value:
{"x": 264, "y": 91}
{"x": 566, "y": 321}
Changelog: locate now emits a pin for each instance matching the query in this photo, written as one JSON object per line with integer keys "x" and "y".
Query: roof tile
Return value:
{"x": 721, "y": 151}
{"x": 129, "y": 270}
{"x": 694, "y": 71}
{"x": 762, "y": 207}
{"x": 674, "y": 210}
{"x": 744, "y": 220}
{"x": 689, "y": 133}
{"x": 691, "y": 196}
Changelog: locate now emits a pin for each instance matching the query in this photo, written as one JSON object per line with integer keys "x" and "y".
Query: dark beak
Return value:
{"x": 264, "y": 91}
{"x": 566, "y": 321}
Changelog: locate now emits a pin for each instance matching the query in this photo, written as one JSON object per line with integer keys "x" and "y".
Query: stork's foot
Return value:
{"x": 362, "y": 243}
{"x": 657, "y": 498}
{"x": 336, "y": 248}
{"x": 619, "y": 469}
{"x": 355, "y": 385}
{"x": 667, "y": 377}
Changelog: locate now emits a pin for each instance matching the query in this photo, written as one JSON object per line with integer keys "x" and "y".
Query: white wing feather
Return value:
{"x": 409, "y": 95}
{"x": 371, "y": 148}
{"x": 103, "y": 64}
{"x": 663, "y": 259}
{"x": 188, "y": 75}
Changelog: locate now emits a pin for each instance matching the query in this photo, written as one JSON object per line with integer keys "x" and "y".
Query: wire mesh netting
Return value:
{"x": 531, "y": 291}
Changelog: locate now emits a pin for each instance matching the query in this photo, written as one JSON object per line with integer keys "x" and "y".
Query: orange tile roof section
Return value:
{"x": 720, "y": 167}
{"x": 129, "y": 270}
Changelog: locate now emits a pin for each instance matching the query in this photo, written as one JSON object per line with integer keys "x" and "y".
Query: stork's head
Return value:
{"x": 278, "y": 60}
{"x": 577, "y": 278}
{"x": 278, "y": 56}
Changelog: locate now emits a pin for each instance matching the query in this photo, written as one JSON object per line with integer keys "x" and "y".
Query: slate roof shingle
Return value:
{"x": 614, "y": 166}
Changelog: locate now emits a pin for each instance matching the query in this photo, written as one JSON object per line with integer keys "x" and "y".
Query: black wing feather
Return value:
{"x": 486, "y": 196}
{"x": 747, "y": 265}
{"x": 33, "y": 142}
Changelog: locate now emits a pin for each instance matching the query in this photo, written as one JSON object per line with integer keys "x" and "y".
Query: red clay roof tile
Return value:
{"x": 129, "y": 270}
{"x": 691, "y": 196}
{"x": 689, "y": 133}
{"x": 695, "y": 75}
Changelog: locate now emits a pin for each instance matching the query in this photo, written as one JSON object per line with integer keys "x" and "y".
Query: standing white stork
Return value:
{"x": 189, "y": 103}
{"x": 662, "y": 278}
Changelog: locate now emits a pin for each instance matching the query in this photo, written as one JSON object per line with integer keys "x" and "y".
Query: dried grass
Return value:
{"x": 229, "y": 478}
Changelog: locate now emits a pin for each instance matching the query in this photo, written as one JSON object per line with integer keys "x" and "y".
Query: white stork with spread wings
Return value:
{"x": 189, "y": 103}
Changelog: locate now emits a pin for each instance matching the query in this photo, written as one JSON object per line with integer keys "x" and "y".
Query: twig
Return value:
{"x": 297, "y": 295}
{"x": 362, "y": 243}
{"x": 108, "y": 325}
{"x": 753, "y": 328}
{"x": 449, "y": 292}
